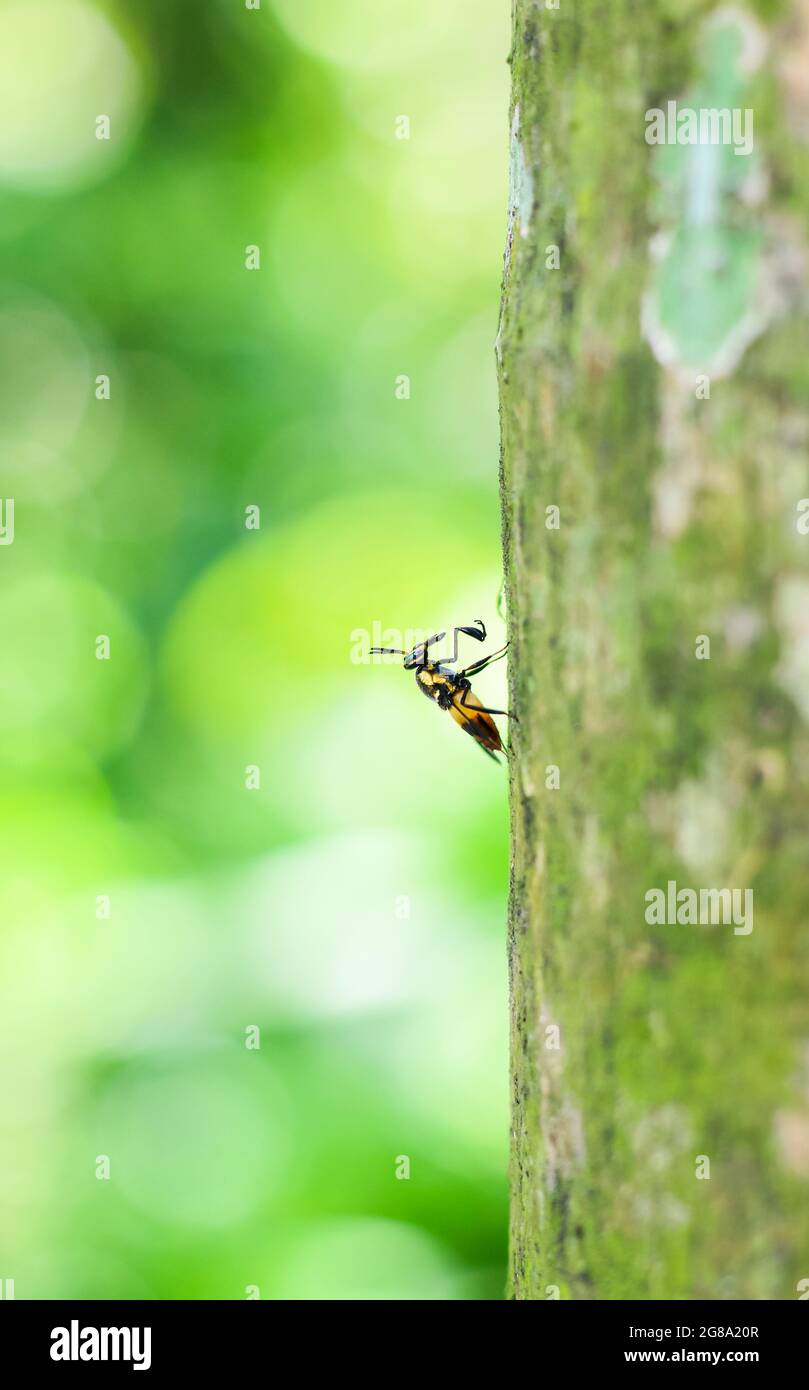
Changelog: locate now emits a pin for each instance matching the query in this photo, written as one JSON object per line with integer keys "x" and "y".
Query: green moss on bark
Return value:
{"x": 678, "y": 518}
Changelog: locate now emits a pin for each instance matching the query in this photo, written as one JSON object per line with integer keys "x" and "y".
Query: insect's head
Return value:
{"x": 412, "y": 659}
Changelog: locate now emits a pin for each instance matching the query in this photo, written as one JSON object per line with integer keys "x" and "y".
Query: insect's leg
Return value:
{"x": 386, "y": 651}
{"x": 479, "y": 634}
{"x": 484, "y": 662}
{"x": 482, "y": 709}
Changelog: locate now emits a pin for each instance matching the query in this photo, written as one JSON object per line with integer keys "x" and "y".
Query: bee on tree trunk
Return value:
{"x": 452, "y": 690}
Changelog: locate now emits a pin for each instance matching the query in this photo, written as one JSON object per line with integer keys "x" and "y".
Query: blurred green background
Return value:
{"x": 351, "y": 906}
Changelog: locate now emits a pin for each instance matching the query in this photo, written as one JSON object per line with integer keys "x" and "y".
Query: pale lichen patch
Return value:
{"x": 793, "y": 69}
{"x": 792, "y": 1127}
{"x": 792, "y": 618}
{"x": 711, "y": 291}
{"x": 742, "y": 625}
{"x": 661, "y": 1137}
{"x": 792, "y": 1140}
{"x": 702, "y": 826}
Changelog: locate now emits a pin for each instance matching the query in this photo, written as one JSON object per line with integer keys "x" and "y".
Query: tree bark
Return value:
{"x": 654, "y": 386}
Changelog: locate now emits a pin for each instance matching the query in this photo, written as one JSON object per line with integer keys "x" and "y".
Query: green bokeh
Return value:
{"x": 351, "y": 906}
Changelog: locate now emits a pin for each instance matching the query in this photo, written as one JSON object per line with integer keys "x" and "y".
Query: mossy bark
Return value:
{"x": 662, "y": 405}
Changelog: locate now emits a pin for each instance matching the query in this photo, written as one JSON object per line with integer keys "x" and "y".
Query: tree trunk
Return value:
{"x": 653, "y": 359}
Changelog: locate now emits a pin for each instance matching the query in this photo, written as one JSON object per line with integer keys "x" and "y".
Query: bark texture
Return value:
{"x": 655, "y": 389}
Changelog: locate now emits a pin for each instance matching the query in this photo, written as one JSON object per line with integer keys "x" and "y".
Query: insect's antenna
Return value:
{"x": 387, "y": 651}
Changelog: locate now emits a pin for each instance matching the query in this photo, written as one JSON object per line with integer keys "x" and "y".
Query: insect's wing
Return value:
{"x": 474, "y": 720}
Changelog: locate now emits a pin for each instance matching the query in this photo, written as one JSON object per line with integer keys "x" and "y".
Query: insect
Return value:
{"x": 452, "y": 690}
